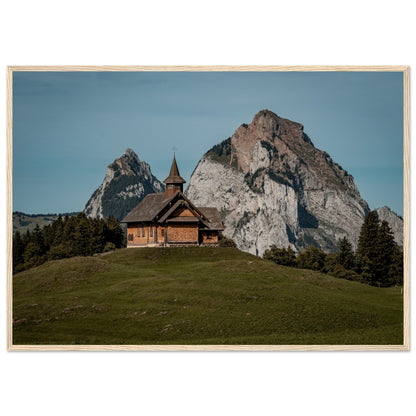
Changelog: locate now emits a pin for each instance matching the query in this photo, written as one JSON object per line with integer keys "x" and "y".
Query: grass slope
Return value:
{"x": 197, "y": 296}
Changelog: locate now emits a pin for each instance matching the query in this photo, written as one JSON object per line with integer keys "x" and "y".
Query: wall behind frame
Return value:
{"x": 209, "y": 383}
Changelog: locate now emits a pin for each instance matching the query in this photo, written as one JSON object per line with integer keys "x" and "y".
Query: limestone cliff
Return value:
{"x": 395, "y": 222}
{"x": 127, "y": 181}
{"x": 272, "y": 186}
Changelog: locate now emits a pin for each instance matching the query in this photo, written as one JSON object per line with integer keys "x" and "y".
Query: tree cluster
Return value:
{"x": 67, "y": 236}
{"x": 378, "y": 260}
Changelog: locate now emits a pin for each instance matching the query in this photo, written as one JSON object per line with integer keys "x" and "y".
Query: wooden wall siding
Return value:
{"x": 182, "y": 233}
{"x": 133, "y": 229}
{"x": 136, "y": 239}
{"x": 175, "y": 233}
{"x": 205, "y": 237}
{"x": 160, "y": 237}
{"x": 183, "y": 212}
{"x": 172, "y": 189}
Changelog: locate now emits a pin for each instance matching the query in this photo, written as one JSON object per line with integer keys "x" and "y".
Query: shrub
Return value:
{"x": 283, "y": 256}
{"x": 109, "y": 247}
{"x": 312, "y": 258}
{"x": 61, "y": 251}
{"x": 342, "y": 273}
{"x": 226, "y": 242}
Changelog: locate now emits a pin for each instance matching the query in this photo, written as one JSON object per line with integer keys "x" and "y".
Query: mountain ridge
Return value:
{"x": 280, "y": 188}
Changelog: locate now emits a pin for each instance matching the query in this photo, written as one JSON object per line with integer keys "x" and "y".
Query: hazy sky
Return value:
{"x": 67, "y": 127}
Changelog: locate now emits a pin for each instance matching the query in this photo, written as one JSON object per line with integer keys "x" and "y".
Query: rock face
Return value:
{"x": 272, "y": 186}
{"x": 126, "y": 183}
{"x": 395, "y": 222}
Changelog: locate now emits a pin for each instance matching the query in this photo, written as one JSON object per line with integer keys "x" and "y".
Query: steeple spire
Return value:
{"x": 174, "y": 182}
{"x": 174, "y": 176}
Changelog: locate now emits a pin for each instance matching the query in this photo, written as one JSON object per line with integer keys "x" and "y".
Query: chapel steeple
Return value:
{"x": 174, "y": 182}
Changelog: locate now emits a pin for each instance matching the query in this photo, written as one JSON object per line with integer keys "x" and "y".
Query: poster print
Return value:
{"x": 208, "y": 208}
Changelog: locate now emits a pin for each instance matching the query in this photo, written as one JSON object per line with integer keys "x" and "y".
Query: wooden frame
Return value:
{"x": 406, "y": 297}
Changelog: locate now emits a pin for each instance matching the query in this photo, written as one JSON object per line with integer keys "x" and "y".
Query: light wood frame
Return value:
{"x": 406, "y": 231}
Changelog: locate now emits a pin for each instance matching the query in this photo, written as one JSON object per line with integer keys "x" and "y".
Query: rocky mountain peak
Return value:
{"x": 131, "y": 156}
{"x": 128, "y": 164}
{"x": 280, "y": 145}
{"x": 266, "y": 120}
{"x": 269, "y": 126}
{"x": 280, "y": 188}
{"x": 127, "y": 181}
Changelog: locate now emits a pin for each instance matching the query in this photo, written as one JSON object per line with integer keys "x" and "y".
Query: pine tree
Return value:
{"x": 81, "y": 236}
{"x": 367, "y": 248}
{"x": 32, "y": 254}
{"x": 57, "y": 230}
{"x": 68, "y": 228}
{"x": 396, "y": 267}
{"x": 345, "y": 255}
{"x": 379, "y": 259}
{"x": 114, "y": 232}
{"x": 18, "y": 249}
{"x": 47, "y": 236}
{"x": 38, "y": 240}
{"x": 97, "y": 235}
{"x": 383, "y": 260}
{"x": 26, "y": 238}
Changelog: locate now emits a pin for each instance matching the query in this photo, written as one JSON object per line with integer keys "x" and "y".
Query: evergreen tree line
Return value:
{"x": 378, "y": 260}
{"x": 67, "y": 236}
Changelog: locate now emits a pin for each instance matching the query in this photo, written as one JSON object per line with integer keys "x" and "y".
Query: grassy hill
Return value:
{"x": 197, "y": 296}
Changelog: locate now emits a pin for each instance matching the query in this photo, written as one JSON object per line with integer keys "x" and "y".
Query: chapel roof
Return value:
{"x": 147, "y": 209}
{"x": 153, "y": 204}
{"x": 174, "y": 176}
{"x": 213, "y": 216}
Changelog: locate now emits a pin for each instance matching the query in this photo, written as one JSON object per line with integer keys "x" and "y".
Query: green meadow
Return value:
{"x": 195, "y": 295}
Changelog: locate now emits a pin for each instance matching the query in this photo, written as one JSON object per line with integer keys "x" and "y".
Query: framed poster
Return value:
{"x": 208, "y": 208}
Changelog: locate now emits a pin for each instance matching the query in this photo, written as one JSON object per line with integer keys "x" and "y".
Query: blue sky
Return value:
{"x": 68, "y": 126}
